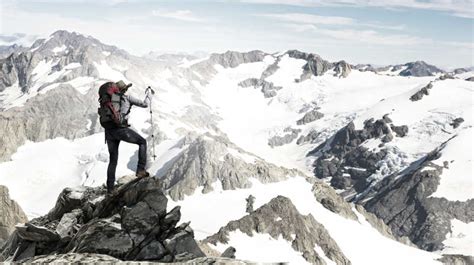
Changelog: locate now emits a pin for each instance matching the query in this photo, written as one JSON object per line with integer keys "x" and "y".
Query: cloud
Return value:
{"x": 17, "y": 38}
{"x": 184, "y": 15}
{"x": 458, "y": 8}
{"x": 310, "y": 19}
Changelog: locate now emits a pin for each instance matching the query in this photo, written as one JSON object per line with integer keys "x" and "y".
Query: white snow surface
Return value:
{"x": 262, "y": 248}
{"x": 457, "y": 180}
{"x": 461, "y": 238}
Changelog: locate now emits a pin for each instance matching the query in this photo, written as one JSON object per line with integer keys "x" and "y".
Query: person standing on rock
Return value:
{"x": 115, "y": 106}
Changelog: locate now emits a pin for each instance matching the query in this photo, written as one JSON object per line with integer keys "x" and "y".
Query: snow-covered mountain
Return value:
{"x": 396, "y": 143}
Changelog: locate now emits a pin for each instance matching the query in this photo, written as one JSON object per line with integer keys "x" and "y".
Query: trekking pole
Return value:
{"x": 148, "y": 90}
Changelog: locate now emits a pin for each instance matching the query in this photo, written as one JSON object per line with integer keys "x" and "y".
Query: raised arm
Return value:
{"x": 137, "y": 102}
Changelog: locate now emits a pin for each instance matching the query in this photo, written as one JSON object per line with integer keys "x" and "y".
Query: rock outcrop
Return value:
{"x": 290, "y": 134}
{"x": 420, "y": 68}
{"x": 10, "y": 215}
{"x": 342, "y": 69}
{"x": 315, "y": 65}
{"x": 346, "y": 161}
{"x": 403, "y": 201}
{"x": 207, "y": 159}
{"x": 268, "y": 88}
{"x": 62, "y": 112}
{"x": 310, "y": 117}
{"x": 131, "y": 224}
{"x": 280, "y": 218}
{"x": 422, "y": 92}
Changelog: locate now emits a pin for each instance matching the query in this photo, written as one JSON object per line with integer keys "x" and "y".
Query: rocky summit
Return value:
{"x": 130, "y": 224}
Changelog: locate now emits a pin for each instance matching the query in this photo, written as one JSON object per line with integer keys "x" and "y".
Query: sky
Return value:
{"x": 379, "y": 32}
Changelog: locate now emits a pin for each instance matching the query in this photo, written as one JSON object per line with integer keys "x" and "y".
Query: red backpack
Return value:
{"x": 110, "y": 103}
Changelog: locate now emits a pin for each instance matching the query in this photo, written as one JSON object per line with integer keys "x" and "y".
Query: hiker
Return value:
{"x": 115, "y": 106}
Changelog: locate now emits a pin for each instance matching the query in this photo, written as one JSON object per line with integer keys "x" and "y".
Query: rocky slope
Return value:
{"x": 207, "y": 159}
{"x": 280, "y": 218}
{"x": 10, "y": 214}
{"x": 132, "y": 224}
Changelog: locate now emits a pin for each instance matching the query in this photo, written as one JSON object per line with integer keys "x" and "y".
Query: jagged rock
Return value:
{"x": 420, "y": 68}
{"x": 10, "y": 214}
{"x": 49, "y": 116}
{"x": 457, "y": 260}
{"x": 470, "y": 79}
{"x": 229, "y": 253}
{"x": 349, "y": 164}
{"x": 139, "y": 218}
{"x": 446, "y": 76}
{"x": 104, "y": 236}
{"x": 291, "y": 135}
{"x": 456, "y": 122}
{"x": 332, "y": 201}
{"x": 315, "y": 64}
{"x": 207, "y": 159}
{"x": 280, "y": 217}
{"x": 424, "y": 91}
{"x": 404, "y": 203}
{"x": 131, "y": 224}
{"x": 342, "y": 69}
{"x": 309, "y": 138}
{"x": 381, "y": 226}
{"x": 153, "y": 251}
{"x": 271, "y": 69}
{"x": 268, "y": 89}
{"x": 229, "y": 59}
{"x": 310, "y": 117}
{"x": 72, "y": 258}
{"x": 67, "y": 226}
{"x": 400, "y": 131}
{"x": 30, "y": 232}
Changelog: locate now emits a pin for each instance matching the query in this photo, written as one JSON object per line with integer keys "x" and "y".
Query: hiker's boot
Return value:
{"x": 142, "y": 174}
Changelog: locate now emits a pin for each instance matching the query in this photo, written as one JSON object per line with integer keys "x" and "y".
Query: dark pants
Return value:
{"x": 113, "y": 138}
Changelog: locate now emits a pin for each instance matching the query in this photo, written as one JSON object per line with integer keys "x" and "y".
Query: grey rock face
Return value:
{"x": 379, "y": 224}
{"x": 309, "y": 138}
{"x": 233, "y": 59}
{"x": 315, "y": 64}
{"x": 424, "y": 91}
{"x": 420, "y": 68}
{"x": 280, "y": 217}
{"x": 267, "y": 88}
{"x": 60, "y": 112}
{"x": 342, "y": 69}
{"x": 332, "y": 201}
{"x": 207, "y": 160}
{"x": 349, "y": 164}
{"x": 291, "y": 134}
{"x": 10, "y": 215}
{"x": 404, "y": 203}
{"x": 229, "y": 59}
{"x": 457, "y": 260}
{"x": 460, "y": 71}
{"x": 310, "y": 117}
{"x": 131, "y": 224}
{"x": 72, "y": 258}
{"x": 456, "y": 122}
{"x": 470, "y": 79}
